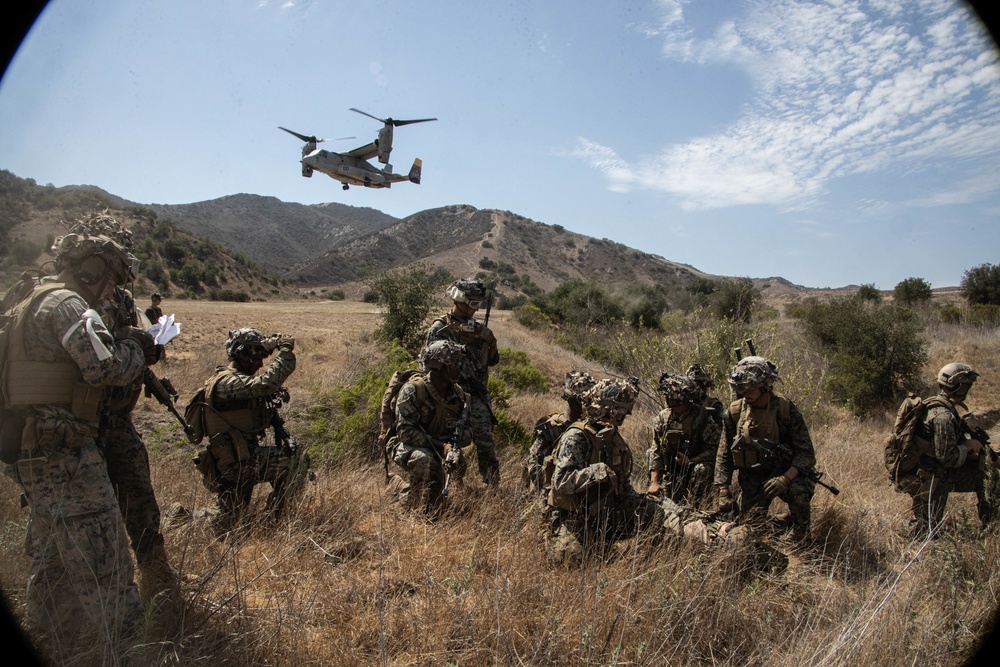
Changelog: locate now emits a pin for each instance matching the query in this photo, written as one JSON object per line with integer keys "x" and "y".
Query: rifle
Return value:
{"x": 980, "y": 434}
{"x": 776, "y": 455}
{"x": 453, "y": 462}
{"x": 155, "y": 388}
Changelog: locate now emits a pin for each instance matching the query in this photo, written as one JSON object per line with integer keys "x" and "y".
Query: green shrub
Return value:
{"x": 735, "y": 300}
{"x": 868, "y": 292}
{"x": 875, "y": 350}
{"x": 518, "y": 373}
{"x": 912, "y": 292}
{"x": 406, "y": 295}
{"x": 531, "y": 316}
{"x": 981, "y": 285}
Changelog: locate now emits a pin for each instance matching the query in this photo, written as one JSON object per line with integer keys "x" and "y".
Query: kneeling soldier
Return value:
{"x": 431, "y": 418}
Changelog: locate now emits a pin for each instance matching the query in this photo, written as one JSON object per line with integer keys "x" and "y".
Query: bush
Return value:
{"x": 868, "y": 292}
{"x": 406, "y": 295}
{"x": 24, "y": 253}
{"x": 531, "y": 316}
{"x": 912, "y": 291}
{"x": 734, "y": 300}
{"x": 228, "y": 295}
{"x": 981, "y": 285}
{"x": 875, "y": 350}
{"x": 517, "y": 372}
{"x": 578, "y": 302}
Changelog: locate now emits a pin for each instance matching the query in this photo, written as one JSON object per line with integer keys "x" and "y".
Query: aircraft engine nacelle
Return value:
{"x": 307, "y": 171}
{"x": 384, "y": 144}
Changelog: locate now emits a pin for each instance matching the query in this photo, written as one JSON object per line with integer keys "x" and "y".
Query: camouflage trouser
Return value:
{"x": 425, "y": 475}
{"x": 81, "y": 591}
{"x": 237, "y": 480}
{"x": 481, "y": 425}
{"x": 753, "y": 505}
{"x": 575, "y": 536}
{"x": 929, "y": 492}
{"x": 128, "y": 468}
{"x": 689, "y": 485}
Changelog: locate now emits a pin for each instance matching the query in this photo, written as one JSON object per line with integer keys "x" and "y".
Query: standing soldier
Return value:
{"x": 460, "y": 326}
{"x": 767, "y": 444}
{"x": 548, "y": 429}
{"x": 60, "y": 359}
{"x": 592, "y": 502}
{"x": 239, "y": 406}
{"x": 431, "y": 426}
{"x": 128, "y": 466}
{"x": 954, "y": 461}
{"x": 685, "y": 442}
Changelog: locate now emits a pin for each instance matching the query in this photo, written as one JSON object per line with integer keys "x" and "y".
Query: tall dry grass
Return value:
{"x": 348, "y": 579}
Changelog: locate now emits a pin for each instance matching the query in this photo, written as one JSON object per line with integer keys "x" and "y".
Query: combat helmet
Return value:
{"x": 700, "y": 374}
{"x": 471, "y": 292}
{"x": 953, "y": 375}
{"x": 752, "y": 372}
{"x": 246, "y": 343}
{"x": 95, "y": 246}
{"x": 680, "y": 388}
{"x": 576, "y": 384}
{"x": 441, "y": 353}
{"x": 611, "y": 399}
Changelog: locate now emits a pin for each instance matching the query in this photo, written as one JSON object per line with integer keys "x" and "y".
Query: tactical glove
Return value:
{"x": 454, "y": 461}
{"x": 150, "y": 350}
{"x": 281, "y": 340}
{"x": 776, "y": 486}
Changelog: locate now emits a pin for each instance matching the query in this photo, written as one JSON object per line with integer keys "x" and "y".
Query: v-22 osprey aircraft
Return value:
{"x": 353, "y": 167}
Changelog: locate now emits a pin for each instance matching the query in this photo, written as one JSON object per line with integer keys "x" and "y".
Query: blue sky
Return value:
{"x": 830, "y": 143}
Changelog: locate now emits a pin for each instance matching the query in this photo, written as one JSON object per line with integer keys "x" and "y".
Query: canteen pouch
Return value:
{"x": 86, "y": 401}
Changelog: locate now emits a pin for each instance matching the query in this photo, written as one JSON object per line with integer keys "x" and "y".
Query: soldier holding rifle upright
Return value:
{"x": 460, "y": 326}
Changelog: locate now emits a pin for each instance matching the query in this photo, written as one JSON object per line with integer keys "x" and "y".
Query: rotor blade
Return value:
{"x": 300, "y": 136}
{"x": 337, "y": 139}
{"x": 397, "y": 123}
{"x": 365, "y": 113}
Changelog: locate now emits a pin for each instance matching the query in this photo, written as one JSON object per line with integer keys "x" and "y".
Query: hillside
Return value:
{"x": 276, "y": 235}
{"x": 173, "y": 261}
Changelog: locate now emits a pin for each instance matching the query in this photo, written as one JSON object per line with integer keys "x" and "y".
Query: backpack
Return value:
{"x": 196, "y": 412}
{"x": 387, "y": 414}
{"x": 907, "y": 442}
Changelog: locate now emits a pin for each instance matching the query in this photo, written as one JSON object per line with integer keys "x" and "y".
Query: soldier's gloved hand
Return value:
{"x": 168, "y": 385}
{"x": 776, "y": 486}
{"x": 281, "y": 340}
{"x": 726, "y": 503}
{"x": 454, "y": 460}
{"x": 150, "y": 350}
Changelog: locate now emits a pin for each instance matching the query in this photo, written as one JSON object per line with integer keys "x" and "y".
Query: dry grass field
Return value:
{"x": 348, "y": 579}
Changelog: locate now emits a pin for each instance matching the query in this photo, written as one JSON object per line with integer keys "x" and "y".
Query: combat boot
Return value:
{"x": 157, "y": 579}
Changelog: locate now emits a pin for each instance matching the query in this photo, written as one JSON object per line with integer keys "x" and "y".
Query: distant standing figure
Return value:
{"x": 154, "y": 312}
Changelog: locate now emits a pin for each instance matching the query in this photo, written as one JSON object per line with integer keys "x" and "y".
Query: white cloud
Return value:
{"x": 841, "y": 88}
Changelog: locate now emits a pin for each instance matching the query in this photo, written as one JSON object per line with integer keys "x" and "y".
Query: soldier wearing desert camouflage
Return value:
{"x": 82, "y": 601}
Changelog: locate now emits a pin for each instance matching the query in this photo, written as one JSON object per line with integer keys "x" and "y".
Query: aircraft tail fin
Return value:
{"x": 415, "y": 171}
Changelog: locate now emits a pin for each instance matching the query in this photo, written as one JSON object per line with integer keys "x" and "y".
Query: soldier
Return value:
{"x": 702, "y": 378}
{"x": 239, "y": 406}
{"x": 460, "y": 326}
{"x": 128, "y": 466}
{"x": 61, "y": 357}
{"x": 767, "y": 444}
{"x": 592, "y": 502}
{"x": 685, "y": 442}
{"x": 431, "y": 425}
{"x": 954, "y": 462}
{"x": 548, "y": 429}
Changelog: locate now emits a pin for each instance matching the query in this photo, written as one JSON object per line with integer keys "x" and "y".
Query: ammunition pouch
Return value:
{"x": 205, "y": 464}
{"x": 229, "y": 448}
{"x": 745, "y": 456}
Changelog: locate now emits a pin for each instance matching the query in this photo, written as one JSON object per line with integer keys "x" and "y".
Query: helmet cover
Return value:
{"x": 246, "y": 343}
{"x": 611, "y": 398}
{"x": 954, "y": 374}
{"x": 752, "y": 372}
{"x": 442, "y": 353}
{"x": 471, "y": 292}
{"x": 680, "y": 388}
{"x": 576, "y": 384}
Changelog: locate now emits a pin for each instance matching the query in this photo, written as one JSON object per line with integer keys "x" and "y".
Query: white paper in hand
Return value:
{"x": 165, "y": 330}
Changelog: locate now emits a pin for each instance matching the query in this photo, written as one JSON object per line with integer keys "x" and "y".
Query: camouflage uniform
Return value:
{"x": 425, "y": 422}
{"x": 81, "y": 586}
{"x": 774, "y": 423}
{"x": 483, "y": 353}
{"x": 128, "y": 468}
{"x": 247, "y": 405}
{"x": 548, "y": 429}
{"x": 947, "y": 466}
{"x": 592, "y": 501}
{"x": 696, "y": 433}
